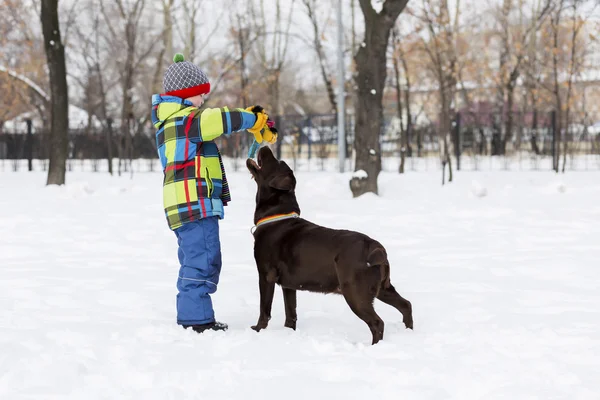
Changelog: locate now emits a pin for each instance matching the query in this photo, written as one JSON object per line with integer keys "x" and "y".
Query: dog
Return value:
{"x": 300, "y": 255}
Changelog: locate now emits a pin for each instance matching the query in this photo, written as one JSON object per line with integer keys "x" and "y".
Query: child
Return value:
{"x": 195, "y": 187}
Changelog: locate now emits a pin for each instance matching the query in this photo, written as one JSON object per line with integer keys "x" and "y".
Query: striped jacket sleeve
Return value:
{"x": 214, "y": 122}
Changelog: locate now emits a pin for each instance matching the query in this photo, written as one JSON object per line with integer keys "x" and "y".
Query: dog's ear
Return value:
{"x": 284, "y": 182}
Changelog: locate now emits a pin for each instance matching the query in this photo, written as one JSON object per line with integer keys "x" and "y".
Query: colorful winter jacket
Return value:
{"x": 195, "y": 185}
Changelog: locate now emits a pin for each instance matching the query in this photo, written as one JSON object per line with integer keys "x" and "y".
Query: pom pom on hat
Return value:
{"x": 178, "y": 58}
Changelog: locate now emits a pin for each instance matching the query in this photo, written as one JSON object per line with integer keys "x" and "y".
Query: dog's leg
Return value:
{"x": 391, "y": 297}
{"x": 289, "y": 299}
{"x": 361, "y": 303}
{"x": 267, "y": 289}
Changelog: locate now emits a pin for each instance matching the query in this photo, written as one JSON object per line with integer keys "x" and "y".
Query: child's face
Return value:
{"x": 197, "y": 101}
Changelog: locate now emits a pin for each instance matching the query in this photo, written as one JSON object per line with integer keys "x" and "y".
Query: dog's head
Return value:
{"x": 276, "y": 185}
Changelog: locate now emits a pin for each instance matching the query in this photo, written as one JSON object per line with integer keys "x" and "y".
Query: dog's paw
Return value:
{"x": 258, "y": 327}
{"x": 290, "y": 324}
{"x": 408, "y": 324}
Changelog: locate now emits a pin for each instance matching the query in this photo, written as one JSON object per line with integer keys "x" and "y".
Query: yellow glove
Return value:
{"x": 260, "y": 124}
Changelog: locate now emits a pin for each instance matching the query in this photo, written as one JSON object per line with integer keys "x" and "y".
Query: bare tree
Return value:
{"x": 272, "y": 52}
{"x": 440, "y": 47}
{"x": 317, "y": 42}
{"x": 59, "y": 94}
{"x": 400, "y": 108}
{"x": 190, "y": 13}
{"x": 532, "y": 68}
{"x": 93, "y": 48}
{"x": 465, "y": 63}
{"x": 129, "y": 17}
{"x": 103, "y": 90}
{"x": 555, "y": 22}
{"x": 575, "y": 63}
{"x": 243, "y": 39}
{"x": 166, "y": 49}
{"x": 403, "y": 97}
{"x": 371, "y": 67}
{"x": 514, "y": 38}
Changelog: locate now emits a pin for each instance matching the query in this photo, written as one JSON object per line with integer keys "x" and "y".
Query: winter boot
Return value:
{"x": 213, "y": 326}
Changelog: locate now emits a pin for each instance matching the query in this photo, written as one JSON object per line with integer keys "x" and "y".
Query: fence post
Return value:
{"x": 554, "y": 133}
{"x": 29, "y": 147}
{"x": 457, "y": 141}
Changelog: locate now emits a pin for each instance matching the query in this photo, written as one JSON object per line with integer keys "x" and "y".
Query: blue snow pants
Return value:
{"x": 200, "y": 259}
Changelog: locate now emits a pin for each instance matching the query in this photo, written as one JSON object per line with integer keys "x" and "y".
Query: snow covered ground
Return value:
{"x": 502, "y": 269}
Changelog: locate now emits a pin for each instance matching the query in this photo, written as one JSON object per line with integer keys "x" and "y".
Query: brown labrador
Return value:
{"x": 299, "y": 255}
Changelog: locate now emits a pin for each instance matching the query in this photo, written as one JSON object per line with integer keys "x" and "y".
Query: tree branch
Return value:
{"x": 28, "y": 82}
{"x": 391, "y": 9}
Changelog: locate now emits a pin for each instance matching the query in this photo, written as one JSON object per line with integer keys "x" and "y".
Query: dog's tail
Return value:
{"x": 378, "y": 258}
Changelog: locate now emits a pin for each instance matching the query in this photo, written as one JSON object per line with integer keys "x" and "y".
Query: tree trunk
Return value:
{"x": 443, "y": 172}
{"x": 104, "y": 109}
{"x": 167, "y": 46}
{"x": 369, "y": 115}
{"x": 371, "y": 67}
{"x": 449, "y": 161}
{"x": 109, "y": 145}
{"x": 242, "y": 39}
{"x": 572, "y": 70}
{"x": 55, "y": 55}
{"x": 409, "y": 118}
{"x": 400, "y": 111}
{"x": 534, "y": 126}
{"x": 127, "y": 108}
{"x": 558, "y": 124}
{"x": 318, "y": 46}
{"x": 352, "y": 15}
{"x": 275, "y": 95}
{"x": 445, "y": 127}
{"x": 558, "y": 134}
{"x": 555, "y": 23}
{"x": 242, "y": 140}
{"x": 191, "y": 45}
{"x": 510, "y": 100}
{"x": 566, "y": 138}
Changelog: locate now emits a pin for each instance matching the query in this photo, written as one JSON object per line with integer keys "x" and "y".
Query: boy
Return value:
{"x": 195, "y": 187}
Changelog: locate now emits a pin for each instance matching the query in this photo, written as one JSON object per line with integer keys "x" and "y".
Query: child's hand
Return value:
{"x": 261, "y": 122}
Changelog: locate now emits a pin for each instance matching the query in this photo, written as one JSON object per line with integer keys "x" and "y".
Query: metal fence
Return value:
{"x": 477, "y": 143}
{"x": 480, "y": 141}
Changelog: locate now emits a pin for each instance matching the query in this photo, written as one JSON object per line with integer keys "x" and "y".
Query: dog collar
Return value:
{"x": 274, "y": 218}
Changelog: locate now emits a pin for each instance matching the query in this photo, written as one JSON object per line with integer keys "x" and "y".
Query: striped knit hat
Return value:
{"x": 183, "y": 79}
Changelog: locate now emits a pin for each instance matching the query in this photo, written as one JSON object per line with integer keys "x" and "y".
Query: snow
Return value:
{"x": 477, "y": 189}
{"x": 373, "y": 91}
{"x": 504, "y": 290}
{"x": 372, "y": 152}
{"x": 377, "y": 5}
{"x": 360, "y": 174}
